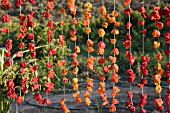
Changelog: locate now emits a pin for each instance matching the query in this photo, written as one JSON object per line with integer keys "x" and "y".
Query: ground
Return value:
{"x": 31, "y": 106}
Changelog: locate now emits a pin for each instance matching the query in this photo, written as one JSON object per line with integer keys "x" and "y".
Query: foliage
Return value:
{"x": 40, "y": 33}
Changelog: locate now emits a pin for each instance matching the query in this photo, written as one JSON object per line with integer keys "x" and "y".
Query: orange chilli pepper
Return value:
{"x": 158, "y": 102}
{"x": 116, "y": 23}
{"x": 113, "y": 41}
{"x": 86, "y": 94}
{"x": 87, "y": 30}
{"x": 100, "y": 51}
{"x": 115, "y": 68}
{"x": 62, "y": 23}
{"x": 64, "y": 71}
{"x": 89, "y": 89}
{"x": 63, "y": 11}
{"x": 105, "y": 102}
{"x": 75, "y": 63}
{"x": 156, "y": 44}
{"x": 104, "y": 24}
{"x": 90, "y": 49}
{"x": 61, "y": 63}
{"x": 127, "y": 2}
{"x": 87, "y": 15}
{"x": 77, "y": 49}
{"x": 62, "y": 101}
{"x": 156, "y": 78}
{"x": 50, "y": 5}
{"x": 90, "y": 43}
{"x": 73, "y": 38}
{"x": 75, "y": 95}
{"x": 115, "y": 78}
{"x": 87, "y": 101}
{"x": 156, "y": 33}
{"x": 101, "y": 84}
{"x": 78, "y": 100}
{"x": 159, "y": 25}
{"x": 101, "y": 32}
{"x": 112, "y": 59}
{"x": 112, "y": 108}
{"x": 74, "y": 21}
{"x": 75, "y": 86}
{"x": 115, "y": 31}
{"x": 114, "y": 13}
{"x": 103, "y": 10}
{"x": 115, "y": 101}
{"x": 159, "y": 56}
{"x": 86, "y": 22}
{"x": 115, "y": 51}
{"x": 90, "y": 66}
{"x": 66, "y": 110}
{"x": 33, "y": 68}
{"x": 103, "y": 96}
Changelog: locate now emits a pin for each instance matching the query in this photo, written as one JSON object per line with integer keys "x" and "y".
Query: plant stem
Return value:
{"x": 16, "y": 110}
{"x": 98, "y": 106}
{"x": 2, "y": 60}
{"x": 2, "y": 104}
{"x": 28, "y": 50}
{"x": 101, "y": 109}
{"x": 45, "y": 109}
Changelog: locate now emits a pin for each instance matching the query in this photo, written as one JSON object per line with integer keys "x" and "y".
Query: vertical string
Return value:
{"x": 114, "y": 27}
{"x": 115, "y": 43}
{"x": 169, "y": 77}
{"x": 114, "y": 5}
{"x": 158, "y": 28}
{"x": 75, "y": 46}
{"x": 20, "y": 9}
{"x": 102, "y": 3}
{"x": 64, "y": 90}
{"x": 159, "y": 47}
{"x": 88, "y": 54}
{"x": 143, "y": 35}
{"x": 31, "y": 7}
{"x": 103, "y": 36}
{"x": 129, "y": 34}
{"x": 158, "y": 3}
{"x": 130, "y": 51}
{"x": 8, "y": 24}
{"x": 62, "y": 32}
{"x": 143, "y": 39}
{"x": 16, "y": 108}
{"x": 21, "y": 76}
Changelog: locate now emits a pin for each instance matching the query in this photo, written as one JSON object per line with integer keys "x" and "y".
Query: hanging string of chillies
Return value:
{"x": 115, "y": 77}
{"x": 90, "y": 49}
{"x": 155, "y": 16}
{"x": 145, "y": 59}
{"x": 127, "y": 43}
{"x": 165, "y": 12}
